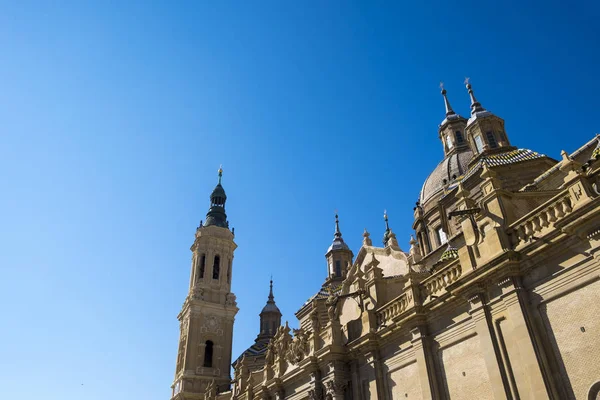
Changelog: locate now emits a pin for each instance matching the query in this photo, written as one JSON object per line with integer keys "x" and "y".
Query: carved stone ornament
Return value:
{"x": 230, "y": 300}
{"x": 335, "y": 387}
{"x": 282, "y": 340}
{"x": 298, "y": 347}
{"x": 211, "y": 323}
{"x": 270, "y": 355}
{"x": 315, "y": 394}
{"x": 211, "y": 391}
{"x": 198, "y": 294}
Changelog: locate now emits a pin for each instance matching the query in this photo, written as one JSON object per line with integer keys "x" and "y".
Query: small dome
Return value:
{"x": 338, "y": 244}
{"x": 218, "y": 192}
{"x": 451, "y": 168}
{"x": 270, "y": 307}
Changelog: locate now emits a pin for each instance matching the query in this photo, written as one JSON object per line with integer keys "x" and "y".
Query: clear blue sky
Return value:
{"x": 114, "y": 119}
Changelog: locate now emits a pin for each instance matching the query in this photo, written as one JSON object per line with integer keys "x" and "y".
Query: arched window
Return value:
{"x": 478, "y": 143}
{"x": 216, "y": 267}
{"x": 202, "y": 266}
{"x": 491, "y": 140}
{"x": 449, "y": 142}
{"x": 208, "y": 354}
{"x": 338, "y": 268}
{"x": 459, "y": 137}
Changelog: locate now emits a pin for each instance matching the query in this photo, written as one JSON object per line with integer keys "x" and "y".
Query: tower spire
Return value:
{"x": 338, "y": 234}
{"x": 449, "y": 110}
{"x": 216, "y": 214}
{"x": 271, "y": 297}
{"x": 475, "y": 105}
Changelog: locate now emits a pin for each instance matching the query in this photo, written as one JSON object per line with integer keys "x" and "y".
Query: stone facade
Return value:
{"x": 498, "y": 296}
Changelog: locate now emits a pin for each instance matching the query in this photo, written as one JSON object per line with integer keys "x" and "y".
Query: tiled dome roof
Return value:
{"x": 450, "y": 169}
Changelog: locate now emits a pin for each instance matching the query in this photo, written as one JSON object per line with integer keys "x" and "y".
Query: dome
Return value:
{"x": 218, "y": 192}
{"x": 338, "y": 244}
{"x": 451, "y": 168}
{"x": 270, "y": 307}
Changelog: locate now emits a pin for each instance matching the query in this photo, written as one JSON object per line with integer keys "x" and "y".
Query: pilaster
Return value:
{"x": 482, "y": 321}
{"x": 424, "y": 355}
{"x": 529, "y": 368}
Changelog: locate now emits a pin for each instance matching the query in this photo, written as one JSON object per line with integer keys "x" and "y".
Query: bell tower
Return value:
{"x": 207, "y": 315}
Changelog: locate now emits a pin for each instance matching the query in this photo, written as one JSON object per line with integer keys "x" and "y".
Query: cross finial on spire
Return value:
{"x": 220, "y": 173}
{"x": 449, "y": 110}
{"x": 337, "y": 225}
{"x": 475, "y": 105}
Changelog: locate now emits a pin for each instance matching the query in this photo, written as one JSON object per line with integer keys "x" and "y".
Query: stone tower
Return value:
{"x": 206, "y": 318}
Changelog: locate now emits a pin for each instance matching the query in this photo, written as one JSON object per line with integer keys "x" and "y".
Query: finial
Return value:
{"x": 412, "y": 241}
{"x": 449, "y": 110}
{"x": 271, "y": 297}
{"x": 475, "y": 105}
{"x": 386, "y": 235}
{"x": 220, "y": 173}
{"x": 337, "y": 225}
{"x": 366, "y": 239}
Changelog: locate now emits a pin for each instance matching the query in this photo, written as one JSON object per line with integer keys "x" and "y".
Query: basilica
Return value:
{"x": 497, "y": 297}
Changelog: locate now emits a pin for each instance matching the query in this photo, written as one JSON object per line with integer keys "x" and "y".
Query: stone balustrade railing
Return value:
{"x": 442, "y": 278}
{"x": 394, "y": 308}
{"x": 541, "y": 219}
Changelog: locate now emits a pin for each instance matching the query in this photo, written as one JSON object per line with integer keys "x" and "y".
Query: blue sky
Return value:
{"x": 114, "y": 119}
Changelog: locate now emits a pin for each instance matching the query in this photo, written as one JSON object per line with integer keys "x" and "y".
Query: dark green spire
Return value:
{"x": 216, "y": 214}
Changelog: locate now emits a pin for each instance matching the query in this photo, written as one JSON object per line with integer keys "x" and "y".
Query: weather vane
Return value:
{"x": 467, "y": 80}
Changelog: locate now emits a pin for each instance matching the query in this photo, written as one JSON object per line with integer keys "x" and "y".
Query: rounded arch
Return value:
{"x": 594, "y": 393}
{"x": 216, "y": 267}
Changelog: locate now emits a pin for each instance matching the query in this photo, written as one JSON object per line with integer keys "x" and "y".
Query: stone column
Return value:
{"x": 489, "y": 345}
{"x": 425, "y": 362}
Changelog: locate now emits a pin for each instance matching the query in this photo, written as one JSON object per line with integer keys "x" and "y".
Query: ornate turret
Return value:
{"x": 451, "y": 130}
{"x": 270, "y": 317}
{"x": 484, "y": 129}
{"x": 338, "y": 255}
{"x": 216, "y": 214}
